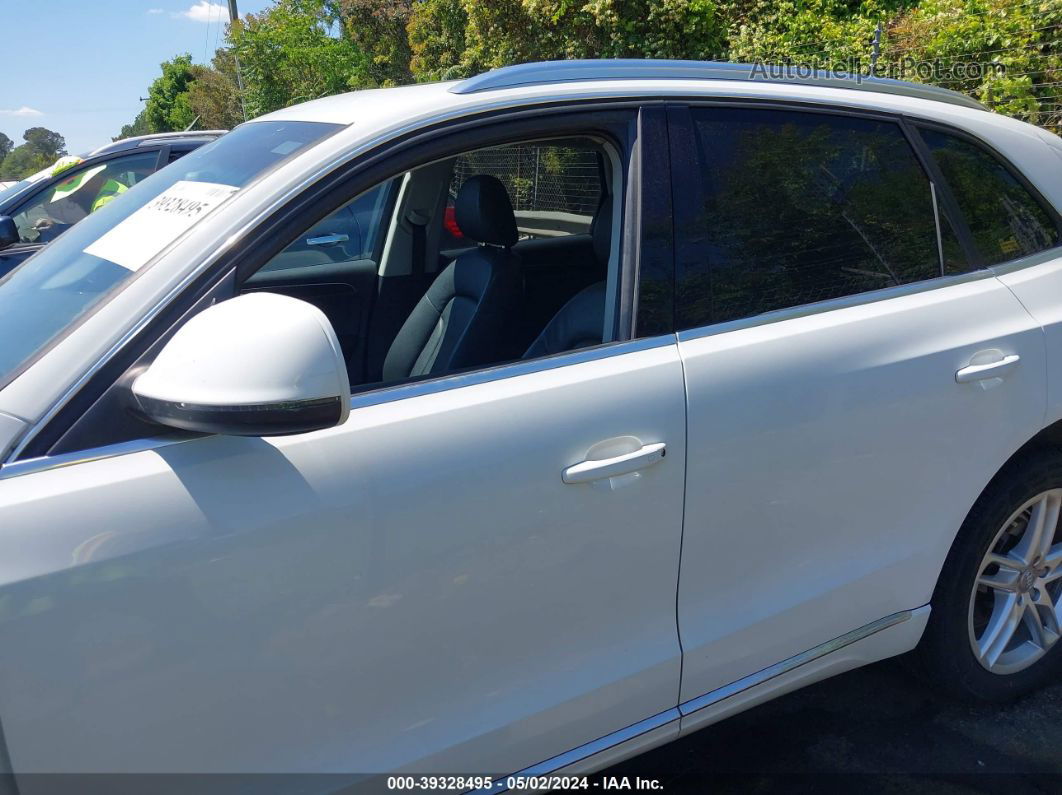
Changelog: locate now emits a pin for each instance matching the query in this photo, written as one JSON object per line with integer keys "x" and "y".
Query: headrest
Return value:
{"x": 483, "y": 211}
{"x": 601, "y": 231}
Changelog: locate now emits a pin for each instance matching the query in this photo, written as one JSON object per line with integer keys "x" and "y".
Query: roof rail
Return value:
{"x": 545, "y": 72}
{"x": 139, "y": 140}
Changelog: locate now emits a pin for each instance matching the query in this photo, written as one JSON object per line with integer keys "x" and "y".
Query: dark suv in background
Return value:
{"x": 38, "y": 209}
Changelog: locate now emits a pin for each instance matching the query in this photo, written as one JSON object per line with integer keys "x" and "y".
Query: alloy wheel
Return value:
{"x": 1014, "y": 614}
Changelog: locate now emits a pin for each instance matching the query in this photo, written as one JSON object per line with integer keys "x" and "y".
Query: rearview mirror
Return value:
{"x": 257, "y": 365}
{"x": 8, "y": 231}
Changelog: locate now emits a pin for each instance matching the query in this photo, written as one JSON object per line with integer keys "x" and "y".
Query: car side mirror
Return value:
{"x": 258, "y": 365}
{"x": 8, "y": 231}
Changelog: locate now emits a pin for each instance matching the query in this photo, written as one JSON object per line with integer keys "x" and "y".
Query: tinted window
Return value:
{"x": 955, "y": 259}
{"x": 1005, "y": 220}
{"x": 801, "y": 207}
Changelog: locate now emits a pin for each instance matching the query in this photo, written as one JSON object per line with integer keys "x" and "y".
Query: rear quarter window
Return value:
{"x": 1005, "y": 219}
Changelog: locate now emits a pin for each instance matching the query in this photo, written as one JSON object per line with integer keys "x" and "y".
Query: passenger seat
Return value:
{"x": 580, "y": 322}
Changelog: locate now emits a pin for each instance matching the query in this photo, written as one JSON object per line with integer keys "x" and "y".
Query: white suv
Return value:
{"x": 515, "y": 425}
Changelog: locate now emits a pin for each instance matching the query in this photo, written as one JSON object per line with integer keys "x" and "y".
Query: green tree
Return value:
{"x": 516, "y": 31}
{"x": 46, "y": 142}
{"x": 6, "y": 145}
{"x": 41, "y": 148}
{"x": 297, "y": 50}
{"x": 378, "y": 28}
{"x": 1019, "y": 38}
{"x": 21, "y": 162}
{"x": 139, "y": 126}
{"x": 290, "y": 53}
{"x": 436, "y": 32}
{"x": 167, "y": 106}
{"x": 215, "y": 95}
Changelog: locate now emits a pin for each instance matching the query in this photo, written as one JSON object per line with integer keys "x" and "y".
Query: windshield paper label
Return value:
{"x": 159, "y": 222}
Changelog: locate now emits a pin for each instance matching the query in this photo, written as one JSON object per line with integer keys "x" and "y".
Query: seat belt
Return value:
{"x": 419, "y": 222}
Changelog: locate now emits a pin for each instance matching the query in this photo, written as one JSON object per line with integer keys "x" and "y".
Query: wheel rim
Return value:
{"x": 1015, "y": 603}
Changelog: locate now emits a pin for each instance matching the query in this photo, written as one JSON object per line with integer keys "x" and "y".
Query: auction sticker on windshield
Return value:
{"x": 158, "y": 223}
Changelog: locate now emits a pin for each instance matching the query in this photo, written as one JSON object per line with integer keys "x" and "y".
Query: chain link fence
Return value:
{"x": 538, "y": 177}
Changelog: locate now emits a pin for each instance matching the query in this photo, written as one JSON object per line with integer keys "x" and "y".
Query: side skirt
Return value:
{"x": 886, "y": 637}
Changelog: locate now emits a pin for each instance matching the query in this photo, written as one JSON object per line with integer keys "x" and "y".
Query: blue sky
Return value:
{"x": 80, "y": 67}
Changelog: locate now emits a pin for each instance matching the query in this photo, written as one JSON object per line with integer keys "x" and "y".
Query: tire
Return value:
{"x": 978, "y": 600}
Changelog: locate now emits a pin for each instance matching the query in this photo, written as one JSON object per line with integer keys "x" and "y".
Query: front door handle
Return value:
{"x": 588, "y": 471}
{"x": 984, "y": 372}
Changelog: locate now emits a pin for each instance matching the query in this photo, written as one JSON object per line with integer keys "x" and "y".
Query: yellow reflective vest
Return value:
{"x": 110, "y": 189}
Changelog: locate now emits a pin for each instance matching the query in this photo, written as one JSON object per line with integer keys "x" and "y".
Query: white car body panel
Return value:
{"x": 1037, "y": 287}
{"x": 11, "y": 428}
{"x": 515, "y": 615}
{"x": 837, "y": 452}
{"x": 889, "y": 642}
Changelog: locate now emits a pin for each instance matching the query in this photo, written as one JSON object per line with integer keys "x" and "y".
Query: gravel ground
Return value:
{"x": 873, "y": 730}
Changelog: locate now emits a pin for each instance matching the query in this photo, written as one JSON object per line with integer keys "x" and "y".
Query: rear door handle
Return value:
{"x": 983, "y": 372}
{"x": 588, "y": 471}
{"x": 327, "y": 240}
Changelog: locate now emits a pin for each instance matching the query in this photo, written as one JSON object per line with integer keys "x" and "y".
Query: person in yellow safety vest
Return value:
{"x": 75, "y": 197}
{"x": 111, "y": 188}
{"x": 107, "y": 192}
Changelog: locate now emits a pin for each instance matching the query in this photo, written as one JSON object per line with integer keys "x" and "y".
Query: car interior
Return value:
{"x": 496, "y": 255}
{"x": 54, "y": 210}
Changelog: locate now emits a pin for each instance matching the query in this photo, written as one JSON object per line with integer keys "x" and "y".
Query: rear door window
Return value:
{"x": 798, "y": 207}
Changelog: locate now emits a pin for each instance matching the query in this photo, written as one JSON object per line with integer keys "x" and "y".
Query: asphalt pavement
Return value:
{"x": 874, "y": 730}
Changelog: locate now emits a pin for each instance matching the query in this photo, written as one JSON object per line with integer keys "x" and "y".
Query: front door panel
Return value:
{"x": 417, "y": 589}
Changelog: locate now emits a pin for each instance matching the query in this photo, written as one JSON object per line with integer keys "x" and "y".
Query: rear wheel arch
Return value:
{"x": 1047, "y": 438}
{"x": 1033, "y": 472}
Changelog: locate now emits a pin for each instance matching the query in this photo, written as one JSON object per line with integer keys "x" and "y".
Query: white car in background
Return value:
{"x": 326, "y": 451}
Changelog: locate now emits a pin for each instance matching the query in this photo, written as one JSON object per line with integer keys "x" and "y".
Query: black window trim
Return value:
{"x": 353, "y": 176}
{"x": 945, "y": 205}
{"x": 949, "y": 205}
{"x": 917, "y": 124}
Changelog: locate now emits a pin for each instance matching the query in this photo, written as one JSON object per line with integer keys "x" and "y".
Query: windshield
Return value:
{"x": 14, "y": 190}
{"x": 59, "y": 284}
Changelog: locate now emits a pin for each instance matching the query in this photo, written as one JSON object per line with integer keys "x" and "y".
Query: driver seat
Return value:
{"x": 459, "y": 321}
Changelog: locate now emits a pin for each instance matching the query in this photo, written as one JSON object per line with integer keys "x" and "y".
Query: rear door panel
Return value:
{"x": 832, "y": 460}
{"x": 832, "y": 454}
